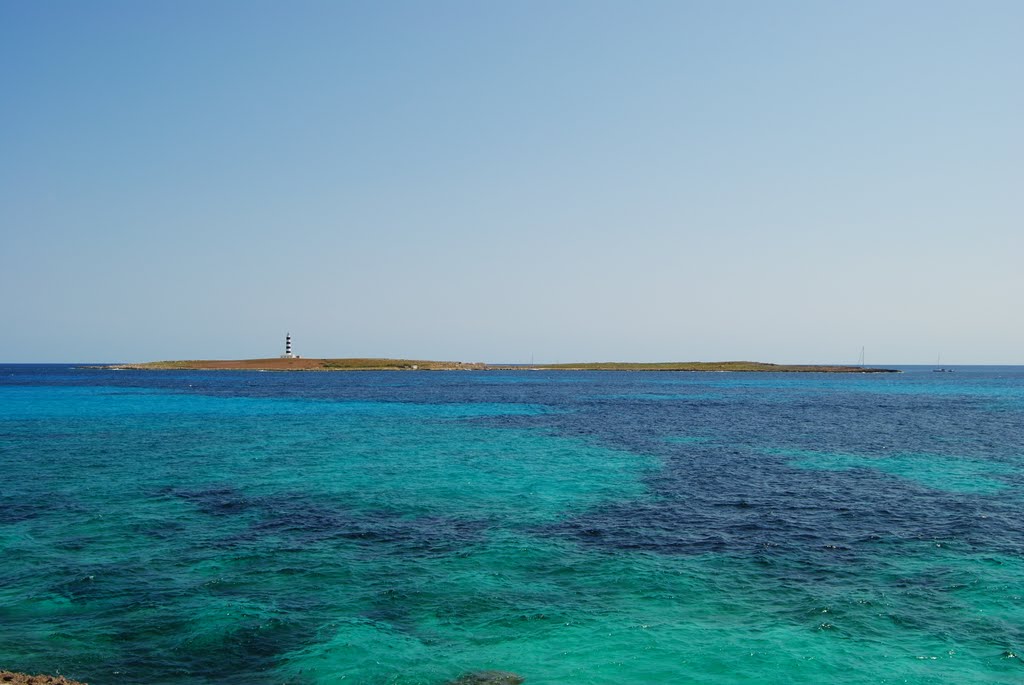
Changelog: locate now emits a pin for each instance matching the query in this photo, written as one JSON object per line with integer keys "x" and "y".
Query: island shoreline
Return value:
{"x": 385, "y": 364}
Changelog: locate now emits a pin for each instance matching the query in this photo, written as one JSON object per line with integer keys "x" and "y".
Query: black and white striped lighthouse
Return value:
{"x": 288, "y": 347}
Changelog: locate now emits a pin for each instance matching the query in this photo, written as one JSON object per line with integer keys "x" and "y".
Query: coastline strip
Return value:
{"x": 384, "y": 364}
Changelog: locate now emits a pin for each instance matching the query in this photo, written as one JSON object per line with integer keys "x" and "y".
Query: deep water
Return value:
{"x": 573, "y": 527}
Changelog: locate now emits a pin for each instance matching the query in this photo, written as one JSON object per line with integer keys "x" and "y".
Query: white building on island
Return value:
{"x": 288, "y": 347}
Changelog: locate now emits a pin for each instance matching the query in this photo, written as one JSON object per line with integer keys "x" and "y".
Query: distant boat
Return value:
{"x": 939, "y": 368}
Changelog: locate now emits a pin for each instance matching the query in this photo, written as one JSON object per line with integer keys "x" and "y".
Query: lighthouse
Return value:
{"x": 288, "y": 347}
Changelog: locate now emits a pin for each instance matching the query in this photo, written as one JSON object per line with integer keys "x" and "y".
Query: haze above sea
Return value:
{"x": 183, "y": 527}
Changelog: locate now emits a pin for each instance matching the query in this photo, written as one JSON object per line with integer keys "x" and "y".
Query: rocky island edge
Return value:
{"x": 383, "y": 364}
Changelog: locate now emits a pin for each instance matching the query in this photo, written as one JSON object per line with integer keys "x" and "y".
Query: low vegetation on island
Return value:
{"x": 708, "y": 366}
{"x": 372, "y": 364}
{"x": 303, "y": 364}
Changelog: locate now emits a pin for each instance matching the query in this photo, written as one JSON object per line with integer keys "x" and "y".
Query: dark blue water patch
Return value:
{"x": 213, "y": 501}
{"x": 258, "y": 640}
{"x": 164, "y": 603}
{"x": 162, "y": 530}
{"x": 840, "y": 423}
{"x": 14, "y": 509}
{"x": 711, "y": 500}
{"x": 306, "y": 521}
{"x": 419, "y": 535}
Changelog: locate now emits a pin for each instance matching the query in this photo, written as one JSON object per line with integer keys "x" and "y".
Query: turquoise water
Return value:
{"x": 186, "y": 527}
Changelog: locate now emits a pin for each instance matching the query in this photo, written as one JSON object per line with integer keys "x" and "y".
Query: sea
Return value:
{"x": 418, "y": 528}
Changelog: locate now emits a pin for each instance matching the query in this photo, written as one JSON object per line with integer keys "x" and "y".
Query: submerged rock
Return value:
{"x": 488, "y": 678}
{"x": 11, "y": 678}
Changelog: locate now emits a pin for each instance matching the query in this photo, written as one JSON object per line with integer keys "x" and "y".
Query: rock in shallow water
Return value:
{"x": 10, "y": 678}
{"x": 488, "y": 678}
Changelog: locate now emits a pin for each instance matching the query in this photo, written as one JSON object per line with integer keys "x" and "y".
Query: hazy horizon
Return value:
{"x": 572, "y": 181}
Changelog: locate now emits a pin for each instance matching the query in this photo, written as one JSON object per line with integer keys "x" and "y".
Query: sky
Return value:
{"x": 558, "y": 180}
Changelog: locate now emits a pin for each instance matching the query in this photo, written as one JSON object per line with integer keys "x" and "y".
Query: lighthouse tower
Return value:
{"x": 288, "y": 347}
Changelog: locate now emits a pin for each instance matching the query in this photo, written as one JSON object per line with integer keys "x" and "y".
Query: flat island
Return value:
{"x": 372, "y": 364}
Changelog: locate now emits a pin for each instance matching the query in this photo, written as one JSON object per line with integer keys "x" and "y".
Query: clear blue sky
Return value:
{"x": 780, "y": 181}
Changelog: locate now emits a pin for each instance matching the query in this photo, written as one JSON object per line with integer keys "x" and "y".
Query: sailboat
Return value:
{"x": 939, "y": 368}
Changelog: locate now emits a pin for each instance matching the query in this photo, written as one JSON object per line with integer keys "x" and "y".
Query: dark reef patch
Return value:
{"x": 305, "y": 519}
{"x": 695, "y": 510}
{"x": 488, "y": 678}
